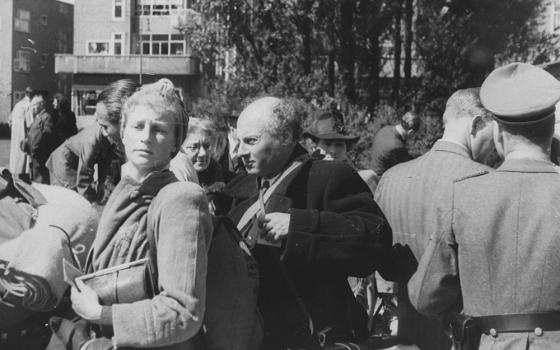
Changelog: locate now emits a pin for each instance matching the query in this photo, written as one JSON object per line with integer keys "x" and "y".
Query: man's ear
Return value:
{"x": 477, "y": 124}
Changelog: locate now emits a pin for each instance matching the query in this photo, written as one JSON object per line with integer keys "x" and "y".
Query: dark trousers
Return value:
{"x": 39, "y": 172}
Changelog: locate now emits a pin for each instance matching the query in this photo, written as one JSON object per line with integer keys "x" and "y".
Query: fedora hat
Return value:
{"x": 330, "y": 126}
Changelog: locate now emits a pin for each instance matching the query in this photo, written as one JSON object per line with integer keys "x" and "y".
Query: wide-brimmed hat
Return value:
{"x": 330, "y": 126}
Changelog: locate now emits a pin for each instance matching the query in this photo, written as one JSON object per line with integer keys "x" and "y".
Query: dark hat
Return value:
{"x": 520, "y": 94}
{"x": 329, "y": 126}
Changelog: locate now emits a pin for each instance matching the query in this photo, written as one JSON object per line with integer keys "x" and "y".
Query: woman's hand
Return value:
{"x": 86, "y": 302}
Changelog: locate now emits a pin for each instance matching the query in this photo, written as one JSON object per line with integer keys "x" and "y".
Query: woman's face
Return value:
{"x": 110, "y": 130}
{"x": 197, "y": 147}
{"x": 149, "y": 139}
{"x": 333, "y": 149}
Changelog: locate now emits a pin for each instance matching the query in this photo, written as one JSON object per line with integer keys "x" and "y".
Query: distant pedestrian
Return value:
{"x": 389, "y": 144}
{"x": 41, "y": 139}
{"x": 20, "y": 121}
{"x": 65, "y": 119}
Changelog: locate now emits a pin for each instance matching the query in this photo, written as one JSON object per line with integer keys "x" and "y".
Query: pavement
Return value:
{"x": 4, "y": 152}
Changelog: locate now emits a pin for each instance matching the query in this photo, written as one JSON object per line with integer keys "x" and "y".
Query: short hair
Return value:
{"x": 286, "y": 119}
{"x": 466, "y": 103}
{"x": 63, "y": 102}
{"x": 114, "y": 96}
{"x": 28, "y": 91}
{"x": 410, "y": 121}
{"x": 201, "y": 123}
{"x": 537, "y": 133}
{"x": 161, "y": 98}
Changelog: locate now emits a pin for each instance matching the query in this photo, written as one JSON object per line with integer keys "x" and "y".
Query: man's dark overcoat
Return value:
{"x": 336, "y": 230}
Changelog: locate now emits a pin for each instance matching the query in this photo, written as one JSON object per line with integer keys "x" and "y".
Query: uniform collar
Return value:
{"x": 452, "y": 147}
{"x": 527, "y": 165}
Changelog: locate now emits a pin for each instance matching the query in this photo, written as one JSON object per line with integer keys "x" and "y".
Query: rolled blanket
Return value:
{"x": 31, "y": 274}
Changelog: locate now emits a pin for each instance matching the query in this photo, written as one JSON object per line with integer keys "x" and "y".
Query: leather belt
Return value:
{"x": 537, "y": 322}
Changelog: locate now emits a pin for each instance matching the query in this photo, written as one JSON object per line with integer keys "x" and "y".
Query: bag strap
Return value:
{"x": 255, "y": 207}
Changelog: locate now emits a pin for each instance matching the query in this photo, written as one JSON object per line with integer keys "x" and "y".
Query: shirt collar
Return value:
{"x": 453, "y": 147}
{"x": 527, "y": 165}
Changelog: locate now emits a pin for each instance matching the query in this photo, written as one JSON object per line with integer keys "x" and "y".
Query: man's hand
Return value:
{"x": 86, "y": 302}
{"x": 275, "y": 226}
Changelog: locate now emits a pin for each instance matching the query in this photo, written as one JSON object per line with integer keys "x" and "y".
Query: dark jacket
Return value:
{"x": 72, "y": 164}
{"x": 42, "y": 138}
{"x": 65, "y": 124}
{"x": 336, "y": 230}
{"x": 389, "y": 149}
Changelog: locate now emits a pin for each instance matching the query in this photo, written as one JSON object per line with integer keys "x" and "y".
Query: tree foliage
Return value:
{"x": 356, "y": 52}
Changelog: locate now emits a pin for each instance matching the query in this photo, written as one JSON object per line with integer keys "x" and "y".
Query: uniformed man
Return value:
{"x": 409, "y": 192}
{"x": 496, "y": 240}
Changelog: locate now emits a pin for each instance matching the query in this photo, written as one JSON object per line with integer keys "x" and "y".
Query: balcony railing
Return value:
{"x": 131, "y": 64}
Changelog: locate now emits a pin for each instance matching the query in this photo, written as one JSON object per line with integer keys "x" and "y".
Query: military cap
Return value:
{"x": 520, "y": 94}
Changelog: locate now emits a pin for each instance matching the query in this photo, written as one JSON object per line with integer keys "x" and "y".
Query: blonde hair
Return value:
{"x": 161, "y": 98}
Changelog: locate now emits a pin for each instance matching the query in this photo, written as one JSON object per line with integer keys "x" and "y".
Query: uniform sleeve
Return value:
{"x": 349, "y": 233}
{"x": 435, "y": 288}
{"x": 183, "y": 228}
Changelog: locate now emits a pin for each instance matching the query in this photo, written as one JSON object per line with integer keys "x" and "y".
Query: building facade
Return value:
{"x": 32, "y": 32}
{"x": 136, "y": 39}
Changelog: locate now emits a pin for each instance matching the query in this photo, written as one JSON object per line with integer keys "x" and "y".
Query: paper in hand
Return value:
{"x": 70, "y": 273}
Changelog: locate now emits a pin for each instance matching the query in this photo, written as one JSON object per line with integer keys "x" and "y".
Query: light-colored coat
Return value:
{"x": 20, "y": 120}
{"x": 497, "y": 244}
{"x": 408, "y": 194}
{"x": 177, "y": 215}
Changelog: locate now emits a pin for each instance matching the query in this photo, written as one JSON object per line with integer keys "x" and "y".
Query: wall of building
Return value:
{"x": 48, "y": 31}
{"x": 6, "y": 59}
{"x": 94, "y": 22}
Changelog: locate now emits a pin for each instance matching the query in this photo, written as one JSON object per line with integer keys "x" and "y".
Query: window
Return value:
{"x": 118, "y": 9}
{"x": 63, "y": 8}
{"x": 163, "y": 44}
{"x": 21, "y": 22}
{"x": 159, "y": 7}
{"x": 98, "y": 47}
{"x": 22, "y": 61}
{"x": 62, "y": 42}
{"x": 118, "y": 43}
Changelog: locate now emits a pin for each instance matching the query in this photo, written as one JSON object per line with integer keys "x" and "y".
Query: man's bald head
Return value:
{"x": 276, "y": 116}
{"x": 268, "y": 130}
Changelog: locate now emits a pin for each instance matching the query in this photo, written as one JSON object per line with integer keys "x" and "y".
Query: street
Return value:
{"x": 4, "y": 152}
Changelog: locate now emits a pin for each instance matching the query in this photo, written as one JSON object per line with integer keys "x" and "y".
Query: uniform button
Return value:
{"x": 493, "y": 332}
{"x": 538, "y": 331}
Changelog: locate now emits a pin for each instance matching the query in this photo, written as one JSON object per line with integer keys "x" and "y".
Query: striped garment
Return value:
{"x": 408, "y": 194}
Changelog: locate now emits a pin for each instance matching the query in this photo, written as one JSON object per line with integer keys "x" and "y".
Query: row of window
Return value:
{"x": 160, "y": 7}
{"x": 151, "y": 44}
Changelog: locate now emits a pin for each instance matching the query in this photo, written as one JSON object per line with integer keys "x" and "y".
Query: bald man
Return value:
{"x": 310, "y": 223}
